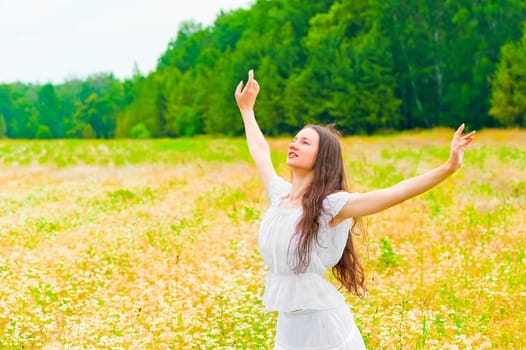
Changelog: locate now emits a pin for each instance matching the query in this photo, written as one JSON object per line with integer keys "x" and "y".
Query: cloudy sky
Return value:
{"x": 52, "y": 40}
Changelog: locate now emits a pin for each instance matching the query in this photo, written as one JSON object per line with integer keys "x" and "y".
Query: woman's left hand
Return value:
{"x": 458, "y": 145}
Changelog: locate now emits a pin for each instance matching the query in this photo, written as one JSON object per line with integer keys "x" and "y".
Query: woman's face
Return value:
{"x": 303, "y": 149}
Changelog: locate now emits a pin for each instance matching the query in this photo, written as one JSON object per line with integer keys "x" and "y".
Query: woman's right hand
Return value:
{"x": 246, "y": 98}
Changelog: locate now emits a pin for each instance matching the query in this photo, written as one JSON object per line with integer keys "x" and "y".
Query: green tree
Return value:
{"x": 98, "y": 101}
{"x": 3, "y": 127}
{"x": 43, "y": 132}
{"x": 368, "y": 65}
{"x": 48, "y": 106}
{"x": 348, "y": 77}
{"x": 183, "y": 52}
{"x": 147, "y": 107}
{"x": 17, "y": 104}
{"x": 508, "y": 98}
{"x": 271, "y": 104}
{"x": 140, "y": 131}
{"x": 444, "y": 53}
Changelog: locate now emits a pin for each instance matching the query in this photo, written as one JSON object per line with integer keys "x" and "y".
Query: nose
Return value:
{"x": 292, "y": 145}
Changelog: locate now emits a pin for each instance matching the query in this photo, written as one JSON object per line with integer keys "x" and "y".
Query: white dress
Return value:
{"x": 312, "y": 313}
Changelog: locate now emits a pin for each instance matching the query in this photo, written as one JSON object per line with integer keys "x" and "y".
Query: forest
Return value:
{"x": 369, "y": 66}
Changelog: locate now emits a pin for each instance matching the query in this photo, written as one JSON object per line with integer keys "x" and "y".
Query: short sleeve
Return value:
{"x": 335, "y": 202}
{"x": 277, "y": 189}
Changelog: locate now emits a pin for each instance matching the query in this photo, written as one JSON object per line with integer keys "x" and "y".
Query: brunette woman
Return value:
{"x": 308, "y": 229}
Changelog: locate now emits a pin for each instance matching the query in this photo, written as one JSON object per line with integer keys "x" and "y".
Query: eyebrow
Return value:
{"x": 303, "y": 137}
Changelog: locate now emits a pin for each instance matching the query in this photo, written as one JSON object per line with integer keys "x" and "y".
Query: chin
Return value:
{"x": 290, "y": 163}
{"x": 294, "y": 166}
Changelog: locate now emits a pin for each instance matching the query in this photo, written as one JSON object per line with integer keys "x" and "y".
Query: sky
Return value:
{"x": 45, "y": 41}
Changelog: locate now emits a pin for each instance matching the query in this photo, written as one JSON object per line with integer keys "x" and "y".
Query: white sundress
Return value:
{"x": 312, "y": 313}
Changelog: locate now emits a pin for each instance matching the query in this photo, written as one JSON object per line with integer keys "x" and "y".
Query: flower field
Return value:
{"x": 152, "y": 244}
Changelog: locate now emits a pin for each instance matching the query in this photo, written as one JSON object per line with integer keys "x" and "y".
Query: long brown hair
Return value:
{"x": 329, "y": 177}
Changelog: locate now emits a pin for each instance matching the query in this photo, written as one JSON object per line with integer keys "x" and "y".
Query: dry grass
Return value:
{"x": 152, "y": 244}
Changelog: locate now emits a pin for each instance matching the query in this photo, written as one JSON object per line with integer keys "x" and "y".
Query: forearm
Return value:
{"x": 419, "y": 184}
{"x": 255, "y": 139}
{"x": 363, "y": 204}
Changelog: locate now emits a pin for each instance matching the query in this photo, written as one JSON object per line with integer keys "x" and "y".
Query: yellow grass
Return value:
{"x": 152, "y": 244}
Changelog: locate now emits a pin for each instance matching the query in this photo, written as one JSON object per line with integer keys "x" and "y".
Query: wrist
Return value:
{"x": 450, "y": 168}
{"x": 246, "y": 111}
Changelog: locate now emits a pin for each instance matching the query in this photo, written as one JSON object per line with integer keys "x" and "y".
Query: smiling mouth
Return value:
{"x": 292, "y": 155}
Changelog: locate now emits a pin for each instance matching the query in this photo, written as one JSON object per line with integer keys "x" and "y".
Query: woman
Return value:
{"x": 307, "y": 229}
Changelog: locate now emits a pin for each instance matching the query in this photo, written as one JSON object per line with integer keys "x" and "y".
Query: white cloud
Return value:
{"x": 55, "y": 39}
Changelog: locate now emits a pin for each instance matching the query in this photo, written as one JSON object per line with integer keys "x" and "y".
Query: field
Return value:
{"x": 151, "y": 244}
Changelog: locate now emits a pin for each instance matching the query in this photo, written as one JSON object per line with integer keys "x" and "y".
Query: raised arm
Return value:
{"x": 257, "y": 145}
{"x": 368, "y": 203}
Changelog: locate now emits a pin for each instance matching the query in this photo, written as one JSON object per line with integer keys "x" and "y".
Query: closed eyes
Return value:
{"x": 304, "y": 141}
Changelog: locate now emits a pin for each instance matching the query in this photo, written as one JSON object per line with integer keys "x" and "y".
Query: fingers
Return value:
{"x": 251, "y": 85}
{"x": 251, "y": 82}
{"x": 470, "y": 135}
{"x": 466, "y": 140}
{"x": 459, "y": 130}
{"x": 239, "y": 87}
{"x": 458, "y": 133}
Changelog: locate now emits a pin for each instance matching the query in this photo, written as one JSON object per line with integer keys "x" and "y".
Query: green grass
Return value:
{"x": 153, "y": 244}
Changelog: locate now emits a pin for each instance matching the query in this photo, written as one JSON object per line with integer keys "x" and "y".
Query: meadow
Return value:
{"x": 152, "y": 244}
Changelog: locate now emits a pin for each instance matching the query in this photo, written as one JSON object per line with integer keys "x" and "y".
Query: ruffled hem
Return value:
{"x": 353, "y": 342}
{"x": 318, "y": 330}
{"x": 299, "y": 291}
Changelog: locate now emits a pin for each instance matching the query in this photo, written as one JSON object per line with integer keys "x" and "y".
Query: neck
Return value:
{"x": 301, "y": 180}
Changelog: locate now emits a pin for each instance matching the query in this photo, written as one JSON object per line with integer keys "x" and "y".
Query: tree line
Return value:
{"x": 369, "y": 66}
